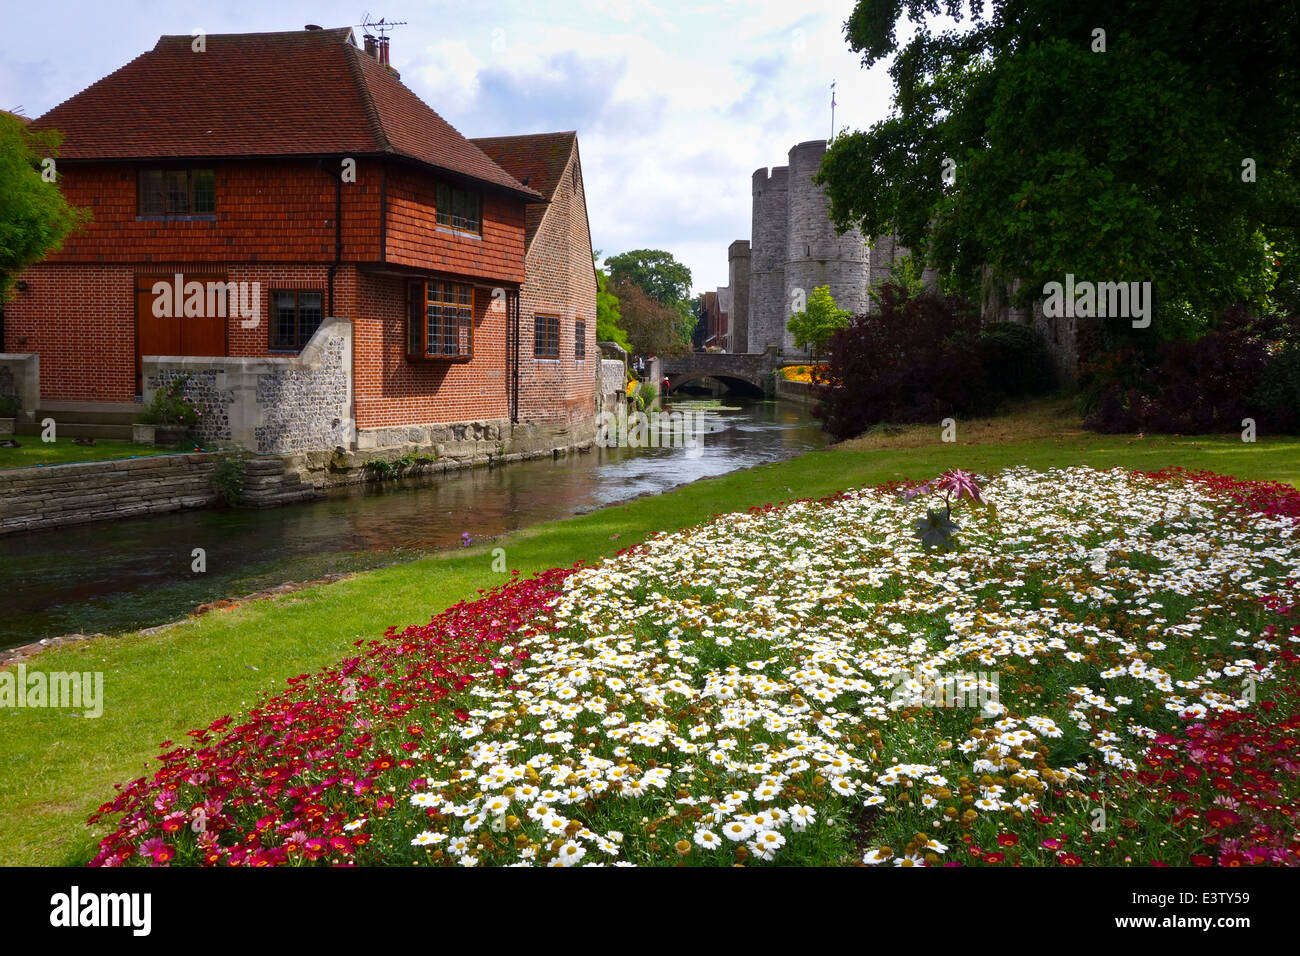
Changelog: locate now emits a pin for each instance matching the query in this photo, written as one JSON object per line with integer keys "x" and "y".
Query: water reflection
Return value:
{"x": 135, "y": 573}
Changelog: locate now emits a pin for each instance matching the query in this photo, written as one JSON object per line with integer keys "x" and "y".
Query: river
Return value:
{"x": 119, "y": 576}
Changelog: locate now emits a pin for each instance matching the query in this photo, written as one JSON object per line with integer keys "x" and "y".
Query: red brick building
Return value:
{"x": 558, "y": 299}
{"x": 338, "y": 269}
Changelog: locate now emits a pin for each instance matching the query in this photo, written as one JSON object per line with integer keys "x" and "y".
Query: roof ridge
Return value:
{"x": 340, "y": 32}
{"x": 560, "y": 132}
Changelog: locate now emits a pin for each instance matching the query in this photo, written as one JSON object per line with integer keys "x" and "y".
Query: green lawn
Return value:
{"x": 62, "y": 451}
{"x": 55, "y": 768}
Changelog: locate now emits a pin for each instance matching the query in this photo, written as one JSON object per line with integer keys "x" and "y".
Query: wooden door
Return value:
{"x": 175, "y": 334}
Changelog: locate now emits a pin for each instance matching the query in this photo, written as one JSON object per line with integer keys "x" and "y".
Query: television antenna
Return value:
{"x": 380, "y": 26}
{"x": 380, "y": 42}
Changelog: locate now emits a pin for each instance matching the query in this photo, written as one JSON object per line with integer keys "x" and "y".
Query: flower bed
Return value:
{"x": 805, "y": 685}
{"x": 804, "y": 373}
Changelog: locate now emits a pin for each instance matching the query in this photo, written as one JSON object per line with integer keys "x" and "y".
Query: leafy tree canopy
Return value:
{"x": 663, "y": 279}
{"x": 651, "y": 325}
{"x": 34, "y": 217}
{"x": 820, "y": 319}
{"x": 1126, "y": 157}
{"x": 609, "y": 317}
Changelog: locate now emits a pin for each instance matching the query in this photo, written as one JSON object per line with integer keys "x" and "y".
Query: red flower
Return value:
{"x": 1008, "y": 839}
{"x": 1219, "y": 818}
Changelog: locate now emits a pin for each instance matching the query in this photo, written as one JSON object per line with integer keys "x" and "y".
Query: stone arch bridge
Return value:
{"x": 751, "y": 369}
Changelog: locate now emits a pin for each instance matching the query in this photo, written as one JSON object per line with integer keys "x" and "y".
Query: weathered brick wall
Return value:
{"x": 392, "y": 389}
{"x": 80, "y": 319}
{"x": 561, "y": 281}
{"x": 32, "y": 498}
{"x": 280, "y": 211}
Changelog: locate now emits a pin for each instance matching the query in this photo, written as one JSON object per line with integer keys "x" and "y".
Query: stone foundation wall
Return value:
{"x": 441, "y": 448}
{"x": 613, "y": 383}
{"x": 32, "y": 498}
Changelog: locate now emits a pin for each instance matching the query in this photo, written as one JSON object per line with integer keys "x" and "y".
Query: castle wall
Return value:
{"x": 767, "y": 306}
{"x": 815, "y": 254}
{"x": 738, "y": 275}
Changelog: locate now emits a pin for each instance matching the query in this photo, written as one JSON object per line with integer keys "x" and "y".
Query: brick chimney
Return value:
{"x": 370, "y": 45}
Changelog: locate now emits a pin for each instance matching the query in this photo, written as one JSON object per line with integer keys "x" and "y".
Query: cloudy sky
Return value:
{"x": 675, "y": 103}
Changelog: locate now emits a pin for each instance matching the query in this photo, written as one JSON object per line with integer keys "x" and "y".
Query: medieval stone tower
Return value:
{"x": 794, "y": 249}
{"x": 767, "y": 248}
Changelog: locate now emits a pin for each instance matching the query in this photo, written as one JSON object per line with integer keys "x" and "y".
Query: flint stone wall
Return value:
{"x": 20, "y": 378}
{"x": 274, "y": 405}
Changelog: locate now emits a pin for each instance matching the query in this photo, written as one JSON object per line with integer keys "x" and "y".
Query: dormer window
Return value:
{"x": 460, "y": 209}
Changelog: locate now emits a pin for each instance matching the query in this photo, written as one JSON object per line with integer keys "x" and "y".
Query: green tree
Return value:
{"x": 1018, "y": 142}
{"x": 34, "y": 217}
{"x": 609, "y": 318}
{"x": 662, "y": 278}
{"x": 651, "y": 325}
{"x": 821, "y": 317}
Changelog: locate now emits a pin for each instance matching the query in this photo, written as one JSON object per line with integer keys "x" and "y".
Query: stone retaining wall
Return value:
{"x": 801, "y": 392}
{"x": 32, "y": 498}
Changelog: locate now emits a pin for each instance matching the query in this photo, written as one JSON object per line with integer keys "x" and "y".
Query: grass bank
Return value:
{"x": 62, "y": 451}
{"x": 55, "y": 768}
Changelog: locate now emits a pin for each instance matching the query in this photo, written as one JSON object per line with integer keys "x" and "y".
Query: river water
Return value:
{"x": 124, "y": 575}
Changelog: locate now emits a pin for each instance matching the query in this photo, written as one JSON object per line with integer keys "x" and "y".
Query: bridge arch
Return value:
{"x": 676, "y": 381}
{"x": 752, "y": 371}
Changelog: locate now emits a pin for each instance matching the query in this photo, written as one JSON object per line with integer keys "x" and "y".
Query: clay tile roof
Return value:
{"x": 300, "y": 93}
{"x": 539, "y": 159}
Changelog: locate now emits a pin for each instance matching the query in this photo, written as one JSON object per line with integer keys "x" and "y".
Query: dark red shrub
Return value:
{"x": 916, "y": 360}
{"x": 1207, "y": 385}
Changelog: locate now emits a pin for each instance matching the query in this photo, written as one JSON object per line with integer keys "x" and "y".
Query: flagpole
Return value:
{"x": 832, "y": 109}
